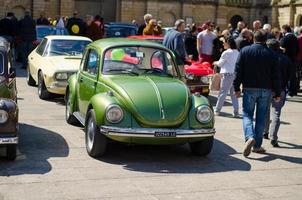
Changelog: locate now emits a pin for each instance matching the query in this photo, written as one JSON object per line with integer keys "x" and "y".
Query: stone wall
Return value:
{"x": 198, "y": 11}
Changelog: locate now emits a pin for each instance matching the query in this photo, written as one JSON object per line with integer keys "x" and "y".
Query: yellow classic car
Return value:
{"x": 54, "y": 60}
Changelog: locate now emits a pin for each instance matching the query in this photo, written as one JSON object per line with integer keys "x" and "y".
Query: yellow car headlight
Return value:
{"x": 61, "y": 76}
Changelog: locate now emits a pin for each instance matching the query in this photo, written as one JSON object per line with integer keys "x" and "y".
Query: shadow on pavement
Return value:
{"x": 36, "y": 146}
{"x": 268, "y": 157}
{"x": 174, "y": 159}
{"x": 289, "y": 145}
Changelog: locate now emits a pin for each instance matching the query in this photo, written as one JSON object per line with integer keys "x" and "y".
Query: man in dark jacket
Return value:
{"x": 42, "y": 20}
{"x": 174, "y": 40}
{"x": 285, "y": 65}
{"x": 258, "y": 71}
{"x": 7, "y": 27}
{"x": 245, "y": 39}
{"x": 240, "y": 27}
{"x": 291, "y": 46}
{"x": 27, "y": 32}
{"x": 75, "y": 25}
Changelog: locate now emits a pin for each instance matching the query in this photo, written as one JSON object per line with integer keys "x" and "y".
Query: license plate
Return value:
{"x": 165, "y": 134}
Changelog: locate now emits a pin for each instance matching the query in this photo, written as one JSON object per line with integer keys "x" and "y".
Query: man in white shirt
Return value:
{"x": 205, "y": 43}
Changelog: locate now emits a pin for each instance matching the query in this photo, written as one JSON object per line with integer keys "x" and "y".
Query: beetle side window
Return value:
{"x": 91, "y": 65}
{"x": 41, "y": 47}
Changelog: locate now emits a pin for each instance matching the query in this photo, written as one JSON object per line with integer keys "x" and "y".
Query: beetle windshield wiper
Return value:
{"x": 126, "y": 71}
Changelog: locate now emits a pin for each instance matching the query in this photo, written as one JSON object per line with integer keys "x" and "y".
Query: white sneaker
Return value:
{"x": 217, "y": 113}
{"x": 236, "y": 115}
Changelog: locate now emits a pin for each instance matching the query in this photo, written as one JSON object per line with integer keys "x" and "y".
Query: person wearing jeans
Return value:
{"x": 257, "y": 70}
{"x": 285, "y": 73}
{"x": 258, "y": 99}
{"x": 227, "y": 63}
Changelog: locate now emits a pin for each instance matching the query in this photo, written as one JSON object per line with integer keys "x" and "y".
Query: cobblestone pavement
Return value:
{"x": 53, "y": 163}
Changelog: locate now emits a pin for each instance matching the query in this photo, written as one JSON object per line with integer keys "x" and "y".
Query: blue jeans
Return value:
{"x": 258, "y": 99}
{"x": 226, "y": 86}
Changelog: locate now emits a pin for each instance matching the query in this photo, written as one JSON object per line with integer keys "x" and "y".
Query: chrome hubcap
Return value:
{"x": 90, "y": 134}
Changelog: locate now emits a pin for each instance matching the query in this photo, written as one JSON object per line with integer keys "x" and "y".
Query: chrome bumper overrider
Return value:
{"x": 9, "y": 140}
{"x": 150, "y": 132}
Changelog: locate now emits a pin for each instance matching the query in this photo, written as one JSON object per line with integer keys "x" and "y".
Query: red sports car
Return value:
{"x": 199, "y": 81}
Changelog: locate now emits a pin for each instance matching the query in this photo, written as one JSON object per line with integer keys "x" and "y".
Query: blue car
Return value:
{"x": 43, "y": 31}
{"x": 120, "y": 30}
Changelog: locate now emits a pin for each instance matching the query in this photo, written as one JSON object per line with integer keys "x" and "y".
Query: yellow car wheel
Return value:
{"x": 42, "y": 91}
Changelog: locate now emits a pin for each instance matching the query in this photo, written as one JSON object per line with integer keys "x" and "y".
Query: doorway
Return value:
{"x": 234, "y": 21}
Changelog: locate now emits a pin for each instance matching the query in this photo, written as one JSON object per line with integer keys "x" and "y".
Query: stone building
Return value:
{"x": 223, "y": 12}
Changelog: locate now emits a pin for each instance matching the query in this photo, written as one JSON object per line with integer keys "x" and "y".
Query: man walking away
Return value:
{"x": 285, "y": 65}
{"x": 258, "y": 71}
{"x": 205, "y": 43}
{"x": 27, "y": 30}
{"x": 174, "y": 41}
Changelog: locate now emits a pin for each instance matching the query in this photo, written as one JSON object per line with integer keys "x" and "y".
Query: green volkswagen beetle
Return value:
{"x": 131, "y": 91}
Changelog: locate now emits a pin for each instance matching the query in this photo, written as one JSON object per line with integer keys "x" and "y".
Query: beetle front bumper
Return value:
{"x": 156, "y": 133}
{"x": 8, "y": 140}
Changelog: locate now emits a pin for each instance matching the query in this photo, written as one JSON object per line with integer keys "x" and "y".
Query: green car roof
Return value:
{"x": 113, "y": 42}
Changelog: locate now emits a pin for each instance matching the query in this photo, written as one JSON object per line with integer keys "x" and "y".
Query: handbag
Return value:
{"x": 215, "y": 82}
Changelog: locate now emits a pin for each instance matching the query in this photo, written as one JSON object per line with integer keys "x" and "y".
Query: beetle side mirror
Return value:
{"x": 12, "y": 72}
{"x": 190, "y": 76}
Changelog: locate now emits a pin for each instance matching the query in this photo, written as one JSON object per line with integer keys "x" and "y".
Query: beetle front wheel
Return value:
{"x": 70, "y": 118}
{"x": 96, "y": 142}
{"x": 203, "y": 147}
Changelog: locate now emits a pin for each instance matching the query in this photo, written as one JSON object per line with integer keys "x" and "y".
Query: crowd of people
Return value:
{"x": 262, "y": 64}
{"x": 22, "y": 33}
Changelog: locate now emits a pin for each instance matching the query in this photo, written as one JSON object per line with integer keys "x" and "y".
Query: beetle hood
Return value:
{"x": 153, "y": 100}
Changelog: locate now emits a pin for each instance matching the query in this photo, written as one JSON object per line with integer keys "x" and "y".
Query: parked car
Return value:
{"x": 198, "y": 74}
{"x": 130, "y": 91}
{"x": 43, "y": 31}
{"x": 157, "y": 39}
{"x": 120, "y": 30}
{"x": 8, "y": 102}
{"x": 53, "y": 62}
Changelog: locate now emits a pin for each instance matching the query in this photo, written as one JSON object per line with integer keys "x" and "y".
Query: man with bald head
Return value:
{"x": 256, "y": 25}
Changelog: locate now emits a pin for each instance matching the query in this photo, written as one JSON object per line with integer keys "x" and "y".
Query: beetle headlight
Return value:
{"x": 3, "y": 116}
{"x": 204, "y": 79}
{"x": 114, "y": 114}
{"x": 61, "y": 76}
{"x": 204, "y": 114}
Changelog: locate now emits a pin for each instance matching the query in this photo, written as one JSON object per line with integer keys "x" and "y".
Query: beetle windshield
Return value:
{"x": 139, "y": 60}
{"x": 67, "y": 47}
